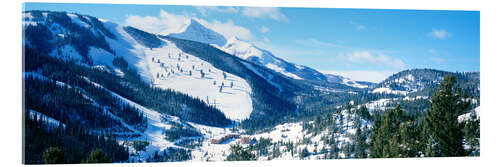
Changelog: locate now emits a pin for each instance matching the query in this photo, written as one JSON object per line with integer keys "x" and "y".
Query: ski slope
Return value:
{"x": 170, "y": 68}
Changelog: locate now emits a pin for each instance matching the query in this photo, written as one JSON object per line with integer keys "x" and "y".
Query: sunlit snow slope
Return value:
{"x": 171, "y": 68}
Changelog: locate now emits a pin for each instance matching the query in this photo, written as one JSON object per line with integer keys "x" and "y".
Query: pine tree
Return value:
{"x": 472, "y": 135}
{"x": 443, "y": 132}
{"x": 361, "y": 146}
{"x": 53, "y": 155}
{"x": 97, "y": 156}
{"x": 238, "y": 153}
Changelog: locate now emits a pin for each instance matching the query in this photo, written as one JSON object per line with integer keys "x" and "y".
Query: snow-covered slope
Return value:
{"x": 173, "y": 69}
{"x": 197, "y": 32}
{"x": 168, "y": 67}
{"x": 138, "y": 48}
{"x": 252, "y": 53}
{"x": 347, "y": 81}
{"x": 424, "y": 81}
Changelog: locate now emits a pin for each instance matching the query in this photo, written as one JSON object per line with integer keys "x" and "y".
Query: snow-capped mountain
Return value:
{"x": 349, "y": 82}
{"x": 196, "y": 69}
{"x": 157, "y": 60}
{"x": 252, "y": 53}
{"x": 424, "y": 81}
{"x": 247, "y": 51}
{"x": 194, "y": 31}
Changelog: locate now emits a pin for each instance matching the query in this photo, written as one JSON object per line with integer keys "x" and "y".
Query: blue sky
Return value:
{"x": 362, "y": 44}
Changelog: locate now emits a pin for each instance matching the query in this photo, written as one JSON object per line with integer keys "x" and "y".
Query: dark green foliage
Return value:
{"x": 70, "y": 104}
{"x": 181, "y": 130}
{"x": 144, "y": 38}
{"x": 120, "y": 63}
{"x": 65, "y": 104}
{"x": 140, "y": 145}
{"x": 304, "y": 153}
{"x": 261, "y": 146}
{"x": 443, "y": 132}
{"x": 238, "y": 153}
{"x": 437, "y": 133}
{"x": 395, "y": 135}
{"x": 75, "y": 142}
{"x": 42, "y": 34}
{"x": 472, "y": 135}
{"x": 97, "y": 156}
{"x": 360, "y": 145}
{"x": 53, "y": 155}
{"x": 170, "y": 155}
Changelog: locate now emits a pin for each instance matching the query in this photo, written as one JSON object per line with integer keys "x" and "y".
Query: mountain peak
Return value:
{"x": 195, "y": 31}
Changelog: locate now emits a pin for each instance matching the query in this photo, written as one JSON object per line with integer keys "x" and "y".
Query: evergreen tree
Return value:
{"x": 472, "y": 135}
{"x": 97, "y": 156}
{"x": 443, "y": 132}
{"x": 360, "y": 144}
{"x": 53, "y": 155}
{"x": 238, "y": 153}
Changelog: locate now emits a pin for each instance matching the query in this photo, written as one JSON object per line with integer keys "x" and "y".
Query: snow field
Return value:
{"x": 170, "y": 68}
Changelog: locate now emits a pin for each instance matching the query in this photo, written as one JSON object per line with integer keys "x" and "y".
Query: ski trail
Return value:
{"x": 155, "y": 129}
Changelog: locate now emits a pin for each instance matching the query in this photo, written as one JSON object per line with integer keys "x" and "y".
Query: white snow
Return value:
{"x": 286, "y": 132}
{"x": 408, "y": 77}
{"x": 66, "y": 52}
{"x": 352, "y": 83}
{"x": 267, "y": 78}
{"x": 246, "y": 50}
{"x": 472, "y": 115}
{"x": 35, "y": 115}
{"x": 173, "y": 71}
{"x": 35, "y": 75}
{"x": 195, "y": 31}
{"x": 389, "y": 91}
{"x": 378, "y": 104}
{"x": 154, "y": 131}
{"x": 76, "y": 19}
{"x": 282, "y": 71}
{"x": 100, "y": 56}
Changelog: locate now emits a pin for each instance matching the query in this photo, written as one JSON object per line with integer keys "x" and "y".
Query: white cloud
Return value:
{"x": 264, "y": 13}
{"x": 166, "y": 23}
{"x": 312, "y": 42}
{"x": 361, "y": 27}
{"x": 264, "y": 29}
{"x": 375, "y": 59}
{"x": 439, "y": 34}
{"x": 205, "y": 9}
{"x": 363, "y": 75}
{"x": 266, "y": 39}
{"x": 357, "y": 25}
{"x": 438, "y": 60}
{"x": 228, "y": 29}
{"x": 433, "y": 51}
